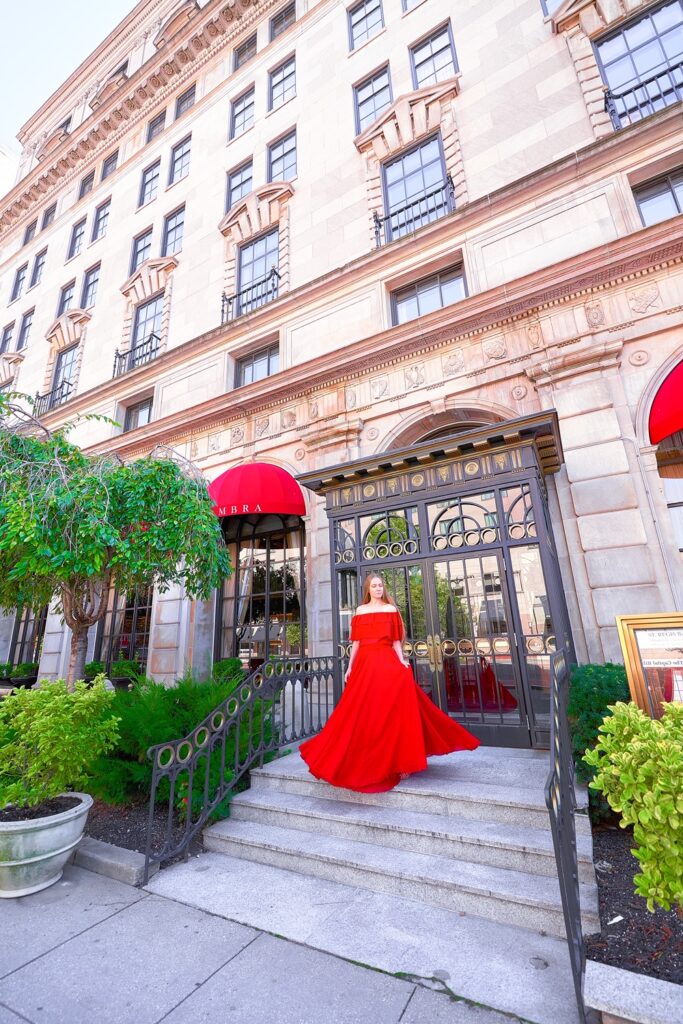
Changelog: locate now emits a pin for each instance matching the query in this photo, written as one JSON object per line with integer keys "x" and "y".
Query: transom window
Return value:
{"x": 180, "y": 160}
{"x": 109, "y": 165}
{"x": 48, "y": 216}
{"x": 427, "y": 295}
{"x": 642, "y": 63}
{"x": 417, "y": 190}
{"x": 99, "y": 228}
{"x": 137, "y": 415}
{"x": 661, "y": 199}
{"x": 19, "y": 282}
{"x": 372, "y": 96}
{"x": 76, "y": 241}
{"x": 282, "y": 85}
{"x": 433, "y": 59}
{"x": 86, "y": 184}
{"x": 30, "y": 232}
{"x": 257, "y": 280}
{"x": 156, "y": 126}
{"x": 282, "y": 158}
{"x": 281, "y": 21}
{"x": 365, "y": 20}
{"x": 240, "y": 183}
{"x": 142, "y": 249}
{"x": 245, "y": 51}
{"x": 25, "y": 329}
{"x": 147, "y": 323}
{"x": 185, "y": 101}
{"x": 242, "y": 113}
{"x": 90, "y": 283}
{"x": 149, "y": 183}
{"x": 38, "y": 267}
{"x": 174, "y": 225}
{"x": 6, "y": 337}
{"x": 66, "y": 297}
{"x": 257, "y": 365}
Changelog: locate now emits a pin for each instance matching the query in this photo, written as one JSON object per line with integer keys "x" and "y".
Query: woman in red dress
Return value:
{"x": 384, "y": 726}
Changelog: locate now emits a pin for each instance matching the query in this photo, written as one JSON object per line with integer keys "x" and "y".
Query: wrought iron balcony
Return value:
{"x": 256, "y": 294}
{"x": 631, "y": 105}
{"x": 59, "y": 394}
{"x": 142, "y": 353}
{"x": 428, "y": 206}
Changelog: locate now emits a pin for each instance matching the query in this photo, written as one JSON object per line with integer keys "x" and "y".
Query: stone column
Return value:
{"x": 168, "y": 635}
{"x": 616, "y": 564}
{"x": 54, "y": 658}
{"x": 6, "y": 631}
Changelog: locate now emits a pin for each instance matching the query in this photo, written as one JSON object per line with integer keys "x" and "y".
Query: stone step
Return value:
{"x": 511, "y": 897}
{"x": 484, "y": 842}
{"x": 439, "y": 790}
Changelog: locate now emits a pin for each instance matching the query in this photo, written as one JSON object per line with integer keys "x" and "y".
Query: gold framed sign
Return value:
{"x": 653, "y": 655}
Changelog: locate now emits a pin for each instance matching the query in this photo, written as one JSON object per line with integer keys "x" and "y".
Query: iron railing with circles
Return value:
{"x": 561, "y": 803}
{"x": 193, "y": 777}
{"x": 423, "y": 209}
{"x": 660, "y": 90}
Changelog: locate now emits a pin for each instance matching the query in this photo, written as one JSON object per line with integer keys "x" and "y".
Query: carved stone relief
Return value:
{"x": 639, "y": 358}
{"x": 644, "y": 299}
{"x": 414, "y": 376}
{"x": 313, "y": 409}
{"x": 379, "y": 387}
{"x": 452, "y": 363}
{"x": 595, "y": 314}
{"x": 494, "y": 348}
{"x": 261, "y": 426}
{"x": 518, "y": 392}
{"x": 214, "y": 442}
{"x": 534, "y": 336}
{"x": 236, "y": 436}
{"x": 288, "y": 419}
{"x": 351, "y": 400}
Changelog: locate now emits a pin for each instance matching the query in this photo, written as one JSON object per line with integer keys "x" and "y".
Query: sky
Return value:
{"x": 36, "y": 57}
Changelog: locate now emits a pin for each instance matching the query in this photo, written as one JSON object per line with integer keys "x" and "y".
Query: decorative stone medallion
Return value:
{"x": 644, "y": 299}
{"x": 373, "y": 434}
{"x": 518, "y": 392}
{"x": 494, "y": 348}
{"x": 595, "y": 314}
{"x": 639, "y": 358}
{"x": 453, "y": 363}
{"x": 299, "y": 454}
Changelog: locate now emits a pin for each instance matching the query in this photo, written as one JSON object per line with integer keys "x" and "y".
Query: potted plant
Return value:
{"x": 24, "y": 674}
{"x": 124, "y": 672}
{"x": 49, "y": 740}
{"x": 92, "y": 669}
{"x": 5, "y": 669}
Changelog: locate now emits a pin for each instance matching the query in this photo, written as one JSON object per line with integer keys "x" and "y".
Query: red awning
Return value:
{"x": 666, "y": 414}
{"x": 256, "y": 488}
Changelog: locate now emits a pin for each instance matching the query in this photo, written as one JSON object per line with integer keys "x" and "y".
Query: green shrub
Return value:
{"x": 50, "y": 739}
{"x": 93, "y": 668}
{"x": 228, "y": 668}
{"x": 124, "y": 668}
{"x": 592, "y": 689}
{"x": 5, "y": 669}
{"x": 25, "y": 670}
{"x": 638, "y": 765}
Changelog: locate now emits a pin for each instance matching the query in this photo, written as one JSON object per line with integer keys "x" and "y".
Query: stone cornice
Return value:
{"x": 594, "y": 16}
{"x": 68, "y": 328}
{"x": 179, "y": 59}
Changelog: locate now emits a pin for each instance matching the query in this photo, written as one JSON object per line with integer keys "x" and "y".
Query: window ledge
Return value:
{"x": 274, "y": 110}
{"x": 234, "y": 138}
{"x": 172, "y": 184}
{"x": 367, "y": 42}
{"x": 404, "y": 14}
{"x": 94, "y": 241}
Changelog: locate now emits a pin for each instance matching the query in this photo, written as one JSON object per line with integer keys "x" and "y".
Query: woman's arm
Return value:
{"x": 398, "y": 648}
{"x": 354, "y": 650}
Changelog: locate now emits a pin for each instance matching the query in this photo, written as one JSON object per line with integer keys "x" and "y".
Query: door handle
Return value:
{"x": 430, "y": 653}
{"x": 438, "y": 651}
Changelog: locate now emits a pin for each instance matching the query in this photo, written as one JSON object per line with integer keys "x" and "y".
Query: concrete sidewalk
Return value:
{"x": 90, "y": 950}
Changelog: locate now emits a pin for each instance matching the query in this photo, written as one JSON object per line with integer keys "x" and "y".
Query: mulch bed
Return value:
{"x": 54, "y": 806}
{"x": 127, "y": 826}
{"x": 643, "y": 942}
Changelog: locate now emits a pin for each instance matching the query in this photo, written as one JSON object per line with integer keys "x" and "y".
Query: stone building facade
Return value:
{"x": 318, "y": 234}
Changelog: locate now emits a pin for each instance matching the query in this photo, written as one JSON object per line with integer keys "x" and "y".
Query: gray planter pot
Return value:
{"x": 33, "y": 853}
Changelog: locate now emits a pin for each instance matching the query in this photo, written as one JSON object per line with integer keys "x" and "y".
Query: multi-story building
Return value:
{"x": 424, "y": 257}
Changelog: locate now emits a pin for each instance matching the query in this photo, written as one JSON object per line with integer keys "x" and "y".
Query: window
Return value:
{"x": 48, "y": 216}
{"x": 137, "y": 415}
{"x": 427, "y": 295}
{"x": 239, "y": 183}
{"x": 416, "y": 189}
{"x": 122, "y": 69}
{"x": 661, "y": 199}
{"x": 65, "y": 126}
{"x": 99, "y": 228}
{"x": 642, "y": 64}
{"x": 156, "y": 126}
{"x": 66, "y": 297}
{"x": 146, "y": 331}
{"x": 281, "y": 21}
{"x": 38, "y": 267}
{"x": 142, "y": 249}
{"x": 109, "y": 165}
{"x": 25, "y": 329}
{"x": 282, "y": 84}
{"x": 124, "y": 631}
{"x": 173, "y": 232}
{"x": 282, "y": 158}
{"x": 19, "y": 281}
{"x": 372, "y": 96}
{"x": 76, "y": 241}
{"x": 365, "y": 20}
{"x": 149, "y": 185}
{"x": 257, "y": 366}
{"x": 409, "y": 4}
{"x": 185, "y": 101}
{"x": 90, "y": 283}
{"x": 27, "y": 641}
{"x": 242, "y": 113}
{"x": 434, "y": 58}
{"x": 62, "y": 384}
{"x": 550, "y": 6}
{"x": 244, "y": 52}
{"x": 30, "y": 232}
{"x": 86, "y": 184}
{"x": 6, "y": 337}
{"x": 180, "y": 160}
{"x": 257, "y": 284}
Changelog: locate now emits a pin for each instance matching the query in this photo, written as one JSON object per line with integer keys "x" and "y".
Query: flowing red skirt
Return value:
{"x": 383, "y": 727}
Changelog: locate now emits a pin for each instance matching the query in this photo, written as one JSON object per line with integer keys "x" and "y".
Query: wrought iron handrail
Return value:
{"x": 140, "y": 354}
{"x": 390, "y": 225}
{"x": 281, "y": 702}
{"x": 51, "y": 399}
{"x": 561, "y": 803}
{"x": 255, "y": 295}
{"x": 645, "y": 105}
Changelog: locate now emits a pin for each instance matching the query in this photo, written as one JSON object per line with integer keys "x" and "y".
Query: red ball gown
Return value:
{"x": 384, "y": 725}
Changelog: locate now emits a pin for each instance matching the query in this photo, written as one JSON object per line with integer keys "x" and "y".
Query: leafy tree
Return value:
{"x": 73, "y": 524}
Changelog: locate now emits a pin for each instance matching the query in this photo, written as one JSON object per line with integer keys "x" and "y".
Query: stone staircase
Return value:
{"x": 471, "y": 835}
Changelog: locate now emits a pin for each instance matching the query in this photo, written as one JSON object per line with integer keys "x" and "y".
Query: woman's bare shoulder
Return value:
{"x": 365, "y": 609}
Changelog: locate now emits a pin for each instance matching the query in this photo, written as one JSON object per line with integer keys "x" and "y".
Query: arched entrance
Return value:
{"x": 260, "y": 611}
{"x": 665, "y": 428}
{"x": 459, "y": 528}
